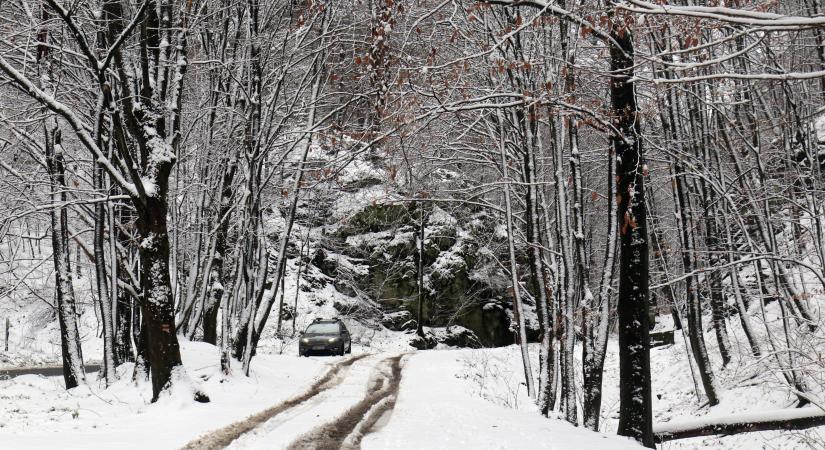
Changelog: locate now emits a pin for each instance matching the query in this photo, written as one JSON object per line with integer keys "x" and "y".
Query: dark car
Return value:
{"x": 325, "y": 336}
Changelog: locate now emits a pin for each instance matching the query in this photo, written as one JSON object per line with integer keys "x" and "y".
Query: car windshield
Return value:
{"x": 323, "y": 328}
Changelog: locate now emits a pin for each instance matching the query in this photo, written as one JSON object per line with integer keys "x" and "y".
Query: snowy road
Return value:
{"x": 349, "y": 401}
{"x": 401, "y": 401}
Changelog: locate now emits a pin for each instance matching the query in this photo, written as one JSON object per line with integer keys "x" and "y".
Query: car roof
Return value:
{"x": 326, "y": 320}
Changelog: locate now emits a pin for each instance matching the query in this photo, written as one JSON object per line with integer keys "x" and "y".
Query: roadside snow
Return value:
{"x": 438, "y": 407}
{"x": 38, "y": 413}
{"x": 753, "y": 417}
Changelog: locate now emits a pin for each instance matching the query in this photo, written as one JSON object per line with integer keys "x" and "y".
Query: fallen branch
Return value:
{"x": 784, "y": 419}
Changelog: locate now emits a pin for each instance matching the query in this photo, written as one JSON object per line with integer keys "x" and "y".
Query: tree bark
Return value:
{"x": 73, "y": 370}
{"x": 595, "y": 346}
{"x": 694, "y": 310}
{"x": 157, "y": 307}
{"x": 103, "y": 297}
{"x": 518, "y": 309}
{"x": 635, "y": 403}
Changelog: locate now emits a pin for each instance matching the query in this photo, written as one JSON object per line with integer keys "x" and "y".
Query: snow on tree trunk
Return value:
{"x": 217, "y": 278}
{"x": 567, "y": 293}
{"x": 157, "y": 306}
{"x": 538, "y": 282}
{"x": 635, "y": 403}
{"x": 694, "y": 309}
{"x": 103, "y": 297}
{"x": 518, "y": 309}
{"x": 73, "y": 370}
{"x": 785, "y": 419}
{"x": 595, "y": 347}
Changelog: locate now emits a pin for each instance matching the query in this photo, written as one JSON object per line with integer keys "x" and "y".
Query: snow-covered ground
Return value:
{"x": 440, "y": 406}
{"x": 38, "y": 413}
{"x": 448, "y": 399}
{"x": 747, "y": 386}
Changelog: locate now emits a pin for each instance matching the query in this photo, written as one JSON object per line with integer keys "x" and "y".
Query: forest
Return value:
{"x": 628, "y": 194}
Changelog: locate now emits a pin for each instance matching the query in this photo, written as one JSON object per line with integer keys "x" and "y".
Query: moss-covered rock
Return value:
{"x": 375, "y": 218}
{"x": 384, "y": 238}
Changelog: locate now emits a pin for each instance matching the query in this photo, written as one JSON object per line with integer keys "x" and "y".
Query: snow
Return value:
{"x": 819, "y": 127}
{"x": 482, "y": 392}
{"x": 38, "y": 413}
{"x": 348, "y": 204}
{"x": 438, "y": 408}
{"x": 752, "y": 417}
{"x": 283, "y": 429}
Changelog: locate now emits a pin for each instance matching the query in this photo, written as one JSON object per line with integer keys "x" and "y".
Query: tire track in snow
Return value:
{"x": 222, "y": 437}
{"x": 347, "y": 430}
{"x": 283, "y": 429}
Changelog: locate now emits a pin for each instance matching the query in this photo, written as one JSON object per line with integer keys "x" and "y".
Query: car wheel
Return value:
{"x": 349, "y": 348}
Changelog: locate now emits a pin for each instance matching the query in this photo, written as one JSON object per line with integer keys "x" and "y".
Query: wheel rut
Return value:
{"x": 222, "y": 437}
{"x": 348, "y": 429}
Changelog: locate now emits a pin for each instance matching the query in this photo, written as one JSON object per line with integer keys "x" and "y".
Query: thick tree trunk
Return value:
{"x": 213, "y": 303}
{"x": 550, "y": 368}
{"x": 635, "y": 408}
{"x": 158, "y": 305}
{"x": 537, "y": 281}
{"x": 142, "y": 364}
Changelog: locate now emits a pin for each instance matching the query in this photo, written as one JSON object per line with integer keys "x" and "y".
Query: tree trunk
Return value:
{"x": 142, "y": 364}
{"x": 518, "y": 309}
{"x": 635, "y": 408}
{"x": 595, "y": 346}
{"x": 217, "y": 280}
{"x": 125, "y": 308}
{"x": 551, "y": 282}
{"x": 419, "y": 326}
{"x": 103, "y": 298}
{"x": 157, "y": 306}
{"x": 73, "y": 370}
{"x": 694, "y": 311}
{"x": 537, "y": 281}
{"x": 567, "y": 294}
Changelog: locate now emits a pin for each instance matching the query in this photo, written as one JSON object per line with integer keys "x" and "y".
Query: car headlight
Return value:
{"x": 332, "y": 339}
{"x": 305, "y": 340}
